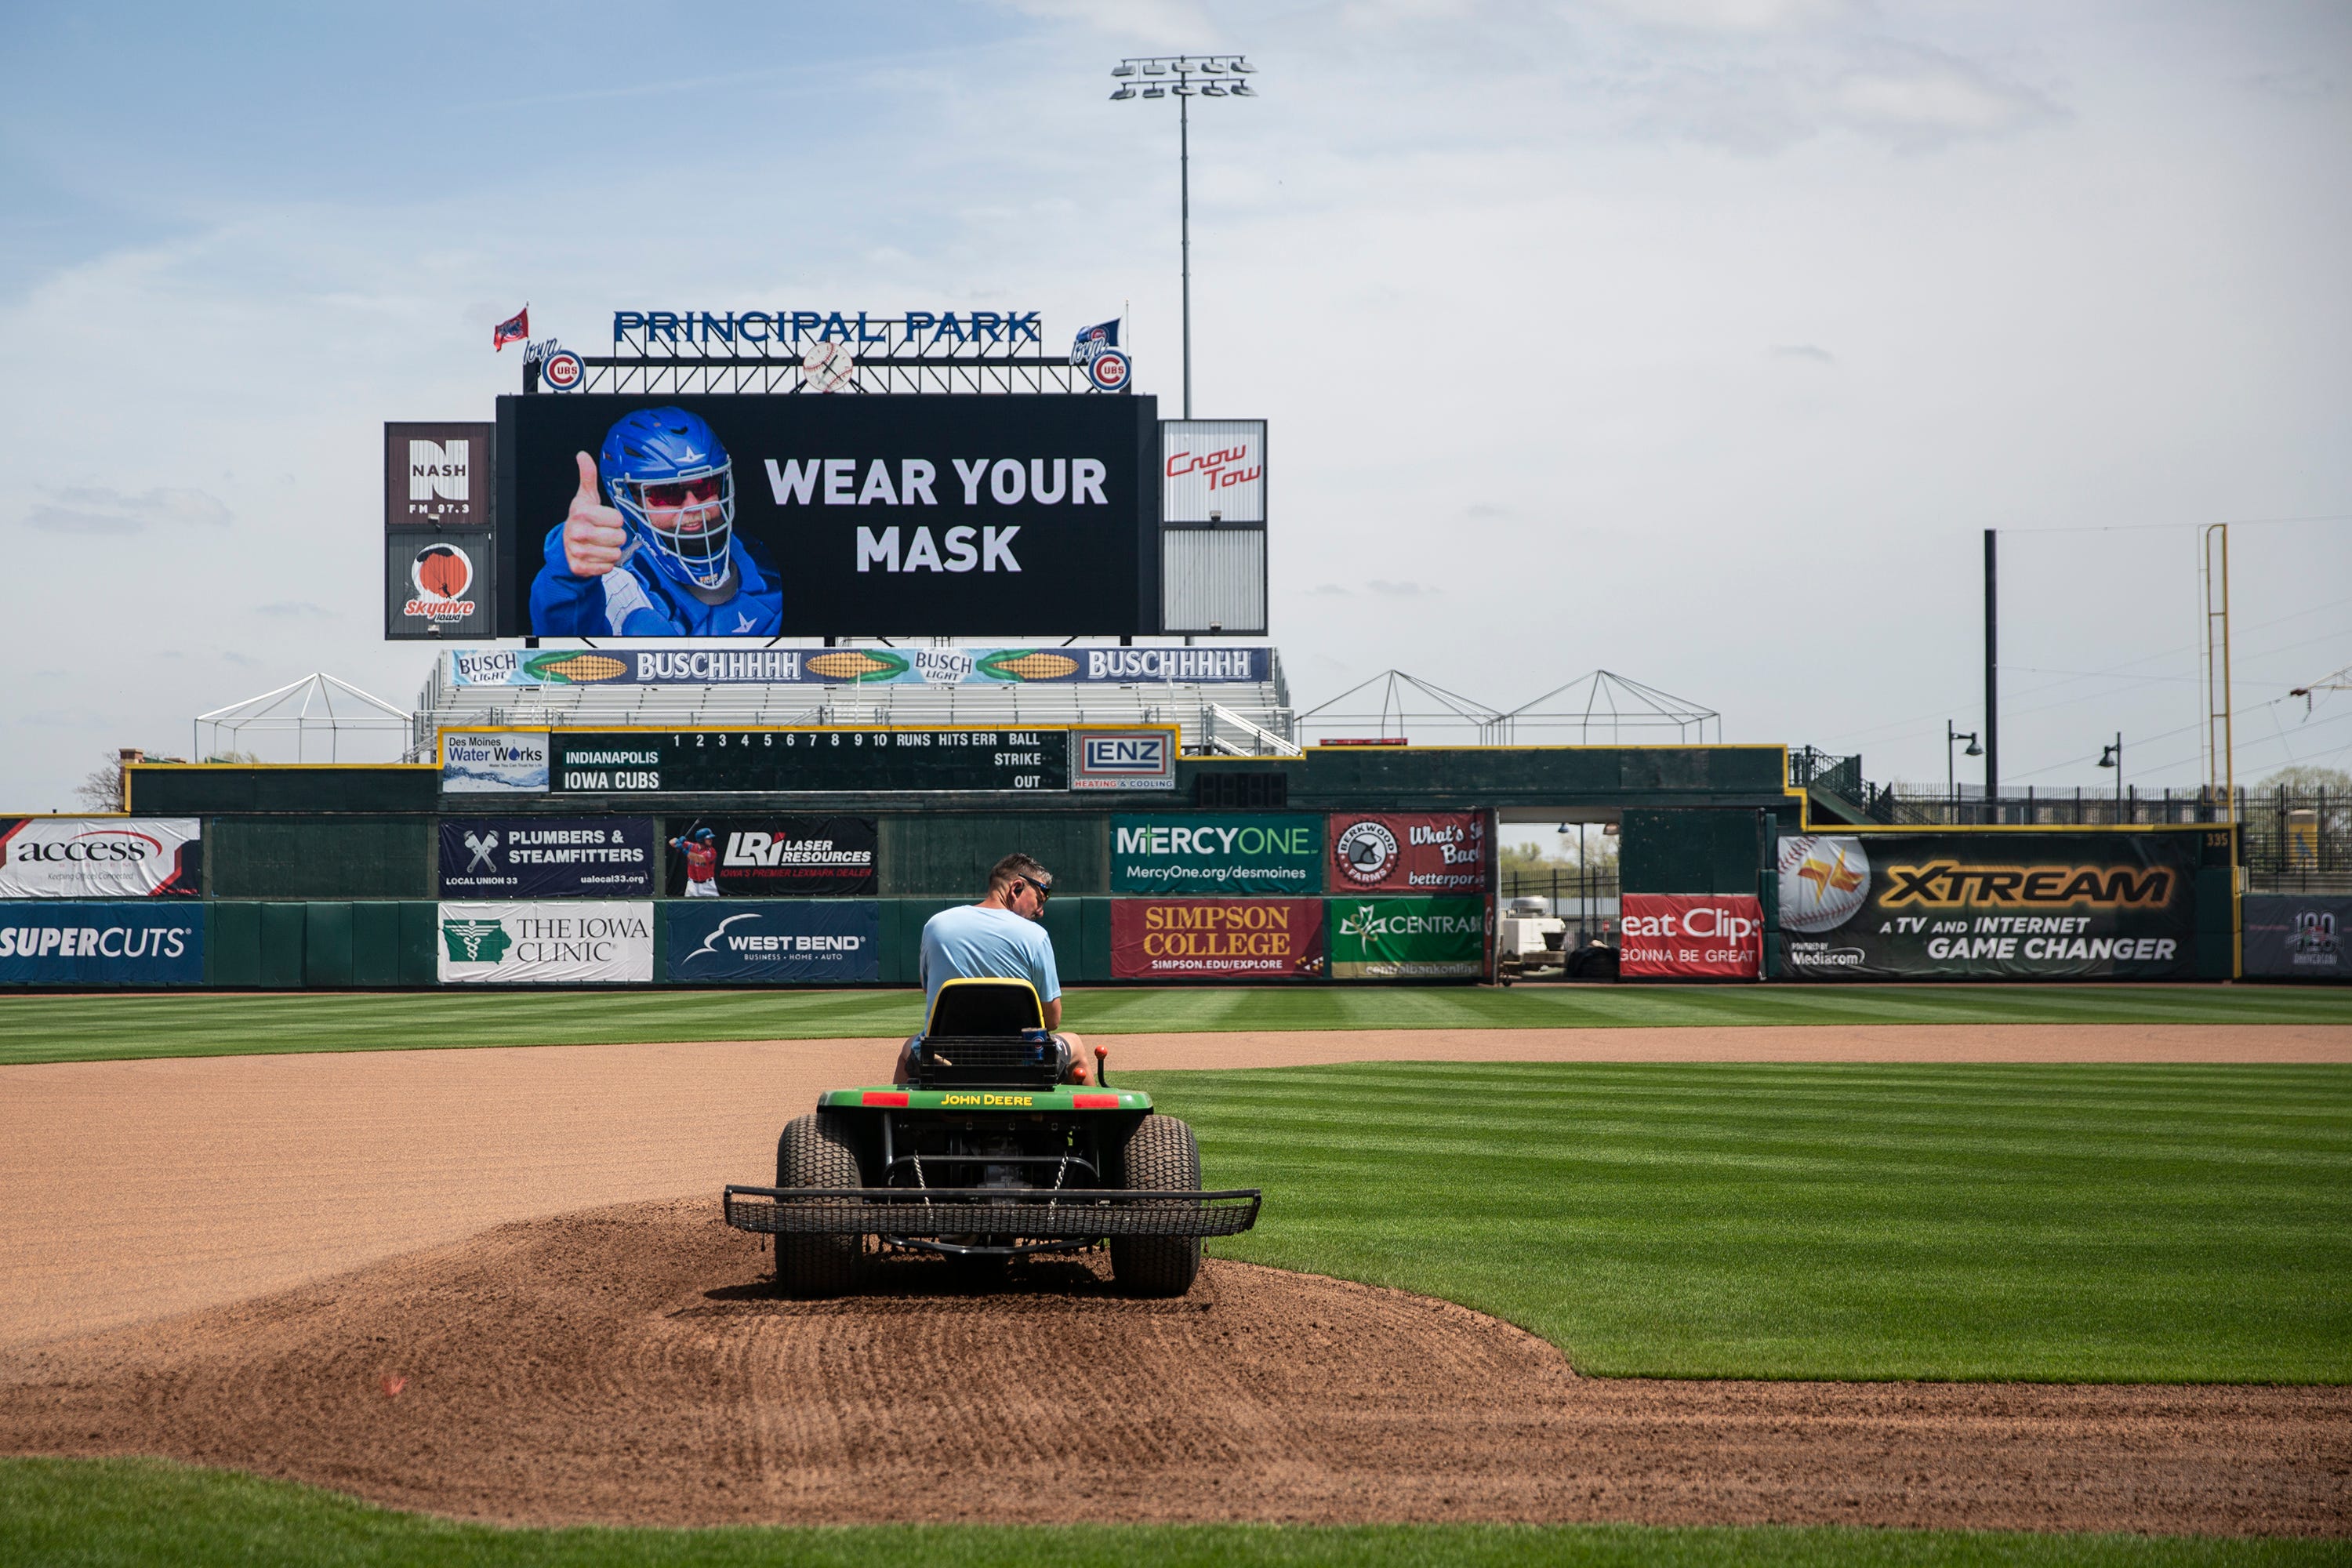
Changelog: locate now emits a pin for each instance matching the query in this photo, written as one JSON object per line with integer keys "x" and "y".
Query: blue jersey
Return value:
{"x": 969, "y": 943}
{"x": 638, "y": 599}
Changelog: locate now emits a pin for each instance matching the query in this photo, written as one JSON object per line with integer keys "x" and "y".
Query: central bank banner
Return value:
{"x": 1216, "y": 939}
{"x": 862, "y": 667}
{"x": 828, "y": 943}
{"x": 131, "y": 943}
{"x": 770, "y": 857}
{"x": 1216, "y": 852}
{"x": 547, "y": 857}
{"x": 1895, "y": 906}
{"x": 547, "y": 944}
{"x": 1410, "y": 852}
{"x": 1711, "y": 935}
{"x": 100, "y": 858}
{"x": 1407, "y": 938}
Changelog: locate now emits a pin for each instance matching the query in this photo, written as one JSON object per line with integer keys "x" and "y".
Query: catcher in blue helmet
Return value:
{"x": 662, "y": 560}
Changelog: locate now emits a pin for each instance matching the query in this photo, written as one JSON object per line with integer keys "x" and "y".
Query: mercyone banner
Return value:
{"x": 141, "y": 943}
{"x": 1692, "y": 934}
{"x": 768, "y": 857}
{"x": 862, "y": 667}
{"x": 1219, "y": 852}
{"x": 826, "y": 943}
{"x": 100, "y": 858}
{"x": 1407, "y": 938}
{"x": 547, "y": 944}
{"x": 546, "y": 856}
{"x": 1400, "y": 852}
{"x": 1222, "y": 939}
{"x": 2016, "y": 905}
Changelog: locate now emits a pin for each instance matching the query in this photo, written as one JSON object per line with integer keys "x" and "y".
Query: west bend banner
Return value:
{"x": 1706, "y": 935}
{"x": 1989, "y": 906}
{"x": 1216, "y": 939}
{"x": 1409, "y": 852}
{"x": 100, "y": 858}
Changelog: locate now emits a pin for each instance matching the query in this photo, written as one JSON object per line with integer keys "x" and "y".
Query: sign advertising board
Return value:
{"x": 494, "y": 761}
{"x": 1216, "y": 939}
{"x": 1407, "y": 938}
{"x": 775, "y": 761}
{"x": 758, "y": 516}
{"x": 101, "y": 944}
{"x": 547, "y": 944}
{"x": 2298, "y": 936}
{"x": 439, "y": 585}
{"x": 1216, "y": 852}
{"x": 1410, "y": 852}
{"x": 436, "y": 476}
{"x": 2004, "y": 905}
{"x": 1125, "y": 759}
{"x": 1212, "y": 470}
{"x": 820, "y": 942}
{"x": 100, "y": 858}
{"x": 546, "y": 856}
{"x": 989, "y": 666}
{"x": 1692, "y": 934}
{"x": 769, "y": 857}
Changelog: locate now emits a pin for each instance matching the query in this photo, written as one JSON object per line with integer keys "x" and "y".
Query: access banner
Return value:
{"x": 1407, "y": 938}
{"x": 547, "y": 944}
{"x": 1996, "y": 905}
{"x": 547, "y": 857}
{"x": 1410, "y": 852}
{"x": 100, "y": 858}
{"x": 770, "y": 857}
{"x": 1703, "y": 935}
{"x": 1216, "y": 939}
{"x": 2298, "y": 936}
{"x": 828, "y": 943}
{"x": 1216, "y": 853}
{"x": 139, "y": 944}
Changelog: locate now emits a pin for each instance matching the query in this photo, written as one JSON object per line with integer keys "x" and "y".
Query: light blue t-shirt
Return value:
{"x": 969, "y": 942}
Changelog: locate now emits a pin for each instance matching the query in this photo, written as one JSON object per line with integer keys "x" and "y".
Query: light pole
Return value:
{"x": 2113, "y": 758}
{"x": 1194, "y": 76}
{"x": 1951, "y": 785}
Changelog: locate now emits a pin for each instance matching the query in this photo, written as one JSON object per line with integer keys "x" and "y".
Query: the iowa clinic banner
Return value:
{"x": 812, "y": 943}
{"x": 553, "y": 943}
{"x": 1953, "y": 906}
{"x": 1216, "y": 939}
{"x": 100, "y": 858}
{"x": 55, "y": 942}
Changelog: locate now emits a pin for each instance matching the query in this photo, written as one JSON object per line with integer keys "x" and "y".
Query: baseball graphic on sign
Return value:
{"x": 1824, "y": 881}
{"x": 829, "y": 366}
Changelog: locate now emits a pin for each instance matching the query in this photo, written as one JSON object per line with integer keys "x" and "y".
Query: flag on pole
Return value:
{"x": 1092, "y": 342}
{"x": 515, "y": 329}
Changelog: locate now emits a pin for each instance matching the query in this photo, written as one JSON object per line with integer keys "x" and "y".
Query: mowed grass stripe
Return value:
{"x": 54, "y": 1028}
{"x": 2050, "y": 1223}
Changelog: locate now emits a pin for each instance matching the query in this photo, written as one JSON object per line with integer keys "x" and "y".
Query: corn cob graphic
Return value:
{"x": 1026, "y": 664}
{"x": 858, "y": 663}
{"x": 577, "y": 669}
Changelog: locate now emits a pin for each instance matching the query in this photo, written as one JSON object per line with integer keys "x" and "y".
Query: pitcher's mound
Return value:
{"x": 629, "y": 1365}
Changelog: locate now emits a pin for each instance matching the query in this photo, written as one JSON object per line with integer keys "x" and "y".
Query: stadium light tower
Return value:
{"x": 1184, "y": 78}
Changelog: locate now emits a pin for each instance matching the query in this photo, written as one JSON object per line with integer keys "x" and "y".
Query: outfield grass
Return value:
{"x": 55, "y": 1029}
{"x": 131, "y": 1512}
{"x": 2158, "y": 1224}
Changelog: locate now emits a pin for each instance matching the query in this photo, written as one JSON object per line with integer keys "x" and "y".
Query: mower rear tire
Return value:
{"x": 1161, "y": 1156}
{"x": 817, "y": 1150}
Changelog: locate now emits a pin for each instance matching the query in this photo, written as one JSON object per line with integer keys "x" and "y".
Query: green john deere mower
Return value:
{"x": 986, "y": 1154}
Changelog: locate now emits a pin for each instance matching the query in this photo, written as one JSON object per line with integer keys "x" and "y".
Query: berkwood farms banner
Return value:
{"x": 1989, "y": 906}
{"x": 547, "y": 944}
{"x": 1220, "y": 852}
{"x": 1408, "y": 852}
{"x": 1407, "y": 938}
{"x": 56, "y": 943}
{"x": 770, "y": 857}
{"x": 1222, "y": 939}
{"x": 862, "y": 667}
{"x": 546, "y": 856}
{"x": 1692, "y": 934}
{"x": 100, "y": 858}
{"x": 831, "y": 942}
{"x": 2298, "y": 936}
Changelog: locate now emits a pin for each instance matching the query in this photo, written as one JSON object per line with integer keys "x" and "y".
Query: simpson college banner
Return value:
{"x": 1957, "y": 906}
{"x": 819, "y": 942}
{"x": 138, "y": 944}
{"x": 1222, "y": 939}
{"x": 547, "y": 944}
{"x": 100, "y": 858}
{"x": 1398, "y": 852}
{"x": 546, "y": 856}
{"x": 1220, "y": 852}
{"x": 1703, "y": 935}
{"x": 1408, "y": 939}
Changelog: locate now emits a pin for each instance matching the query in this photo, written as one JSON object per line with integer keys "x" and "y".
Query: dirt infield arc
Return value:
{"x": 629, "y": 1365}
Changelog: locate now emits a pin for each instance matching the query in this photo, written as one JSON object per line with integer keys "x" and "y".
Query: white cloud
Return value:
{"x": 93, "y": 509}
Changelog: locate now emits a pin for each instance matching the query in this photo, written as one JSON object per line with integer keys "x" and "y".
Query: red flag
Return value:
{"x": 513, "y": 329}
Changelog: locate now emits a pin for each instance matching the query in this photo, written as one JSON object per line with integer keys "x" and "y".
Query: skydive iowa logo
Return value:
{"x": 441, "y": 574}
{"x": 476, "y": 942}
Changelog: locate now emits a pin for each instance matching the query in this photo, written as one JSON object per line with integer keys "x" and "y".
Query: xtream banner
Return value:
{"x": 1218, "y": 852}
{"x": 547, "y": 945}
{"x": 1407, "y": 938}
{"x": 1998, "y": 905}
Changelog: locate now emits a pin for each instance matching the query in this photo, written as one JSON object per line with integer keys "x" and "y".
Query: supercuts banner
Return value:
{"x": 770, "y": 857}
{"x": 547, "y": 857}
{"x": 1692, "y": 934}
{"x": 547, "y": 944}
{"x": 1216, "y": 939}
{"x": 1407, "y": 938}
{"x": 817, "y": 943}
{"x": 744, "y": 516}
{"x": 100, "y": 858}
{"x": 2013, "y": 905}
{"x": 101, "y": 944}
{"x": 1399, "y": 852}
{"x": 1216, "y": 852}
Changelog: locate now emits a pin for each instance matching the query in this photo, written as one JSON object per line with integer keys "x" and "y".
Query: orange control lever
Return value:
{"x": 1100, "y": 1053}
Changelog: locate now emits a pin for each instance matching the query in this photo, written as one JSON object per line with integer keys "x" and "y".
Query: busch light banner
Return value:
{"x": 1407, "y": 938}
{"x": 820, "y": 942}
{"x": 996, "y": 666}
{"x": 2298, "y": 936}
{"x": 1712, "y": 936}
{"x": 100, "y": 858}
{"x": 1216, "y": 939}
{"x": 770, "y": 857}
{"x": 1216, "y": 852}
{"x": 546, "y": 944}
{"x": 547, "y": 857}
{"x": 1410, "y": 852}
{"x": 1989, "y": 905}
{"x": 131, "y": 944}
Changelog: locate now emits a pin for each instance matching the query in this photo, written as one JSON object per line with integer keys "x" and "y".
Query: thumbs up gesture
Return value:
{"x": 594, "y": 534}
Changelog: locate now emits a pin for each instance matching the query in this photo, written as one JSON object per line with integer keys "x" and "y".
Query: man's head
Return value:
{"x": 670, "y": 476}
{"x": 1021, "y": 885}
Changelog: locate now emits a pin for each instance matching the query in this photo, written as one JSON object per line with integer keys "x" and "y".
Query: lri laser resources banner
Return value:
{"x": 2010, "y": 906}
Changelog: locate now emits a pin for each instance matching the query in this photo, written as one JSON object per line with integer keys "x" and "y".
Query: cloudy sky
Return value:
{"x": 1696, "y": 340}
